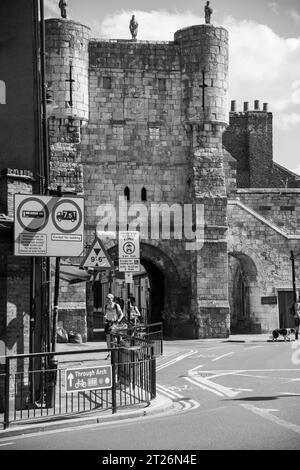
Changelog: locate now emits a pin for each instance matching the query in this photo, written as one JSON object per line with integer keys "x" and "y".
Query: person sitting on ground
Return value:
{"x": 112, "y": 315}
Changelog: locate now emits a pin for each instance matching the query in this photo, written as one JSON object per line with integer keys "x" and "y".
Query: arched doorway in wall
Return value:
{"x": 165, "y": 293}
{"x": 242, "y": 276}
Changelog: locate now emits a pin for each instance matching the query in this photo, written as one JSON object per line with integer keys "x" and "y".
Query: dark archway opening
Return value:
{"x": 242, "y": 274}
{"x": 156, "y": 291}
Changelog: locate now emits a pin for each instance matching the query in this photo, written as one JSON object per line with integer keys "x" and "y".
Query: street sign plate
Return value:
{"x": 88, "y": 378}
{"x": 129, "y": 252}
{"x": 48, "y": 226}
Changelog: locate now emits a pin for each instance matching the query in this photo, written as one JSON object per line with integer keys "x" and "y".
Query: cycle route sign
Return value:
{"x": 88, "y": 378}
{"x": 48, "y": 226}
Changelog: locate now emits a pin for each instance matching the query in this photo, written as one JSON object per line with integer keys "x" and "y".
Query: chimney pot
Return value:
{"x": 233, "y": 106}
{"x": 266, "y": 107}
{"x": 256, "y": 105}
{"x": 246, "y": 106}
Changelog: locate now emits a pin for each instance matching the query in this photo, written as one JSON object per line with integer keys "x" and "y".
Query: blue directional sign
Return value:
{"x": 88, "y": 378}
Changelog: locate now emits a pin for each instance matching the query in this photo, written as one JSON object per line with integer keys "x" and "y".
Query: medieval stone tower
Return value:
{"x": 145, "y": 119}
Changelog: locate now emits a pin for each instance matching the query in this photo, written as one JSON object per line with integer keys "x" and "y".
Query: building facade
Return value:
{"x": 149, "y": 122}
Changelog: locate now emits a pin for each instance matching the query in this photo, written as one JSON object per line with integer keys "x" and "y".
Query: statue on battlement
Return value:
{"x": 208, "y": 12}
{"x": 133, "y": 27}
{"x": 63, "y": 8}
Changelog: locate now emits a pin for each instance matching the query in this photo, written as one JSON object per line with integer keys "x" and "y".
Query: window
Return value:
{"x": 144, "y": 194}
{"x": 2, "y": 92}
{"x": 127, "y": 193}
{"x": 287, "y": 208}
{"x": 154, "y": 133}
{"x": 162, "y": 84}
{"x": 107, "y": 83}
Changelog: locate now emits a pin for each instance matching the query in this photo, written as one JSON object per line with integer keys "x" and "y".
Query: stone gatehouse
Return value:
{"x": 150, "y": 121}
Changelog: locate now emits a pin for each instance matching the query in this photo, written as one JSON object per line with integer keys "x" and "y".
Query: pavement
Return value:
{"x": 160, "y": 404}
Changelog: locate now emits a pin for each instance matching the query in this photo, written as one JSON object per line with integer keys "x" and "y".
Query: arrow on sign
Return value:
{"x": 70, "y": 379}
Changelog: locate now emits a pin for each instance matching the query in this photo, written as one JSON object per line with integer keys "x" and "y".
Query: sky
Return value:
{"x": 264, "y": 49}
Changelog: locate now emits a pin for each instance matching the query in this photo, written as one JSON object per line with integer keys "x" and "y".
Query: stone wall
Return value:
{"x": 264, "y": 253}
{"x": 279, "y": 206}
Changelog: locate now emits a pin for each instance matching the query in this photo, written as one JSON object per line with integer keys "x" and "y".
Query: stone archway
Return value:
{"x": 242, "y": 286}
{"x": 168, "y": 293}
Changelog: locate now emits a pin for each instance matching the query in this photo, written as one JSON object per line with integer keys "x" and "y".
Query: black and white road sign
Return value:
{"x": 48, "y": 226}
{"x": 97, "y": 257}
{"x": 129, "y": 251}
{"x": 88, "y": 378}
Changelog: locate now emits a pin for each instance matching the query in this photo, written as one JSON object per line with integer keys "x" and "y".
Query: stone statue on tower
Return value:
{"x": 208, "y": 12}
{"x": 133, "y": 27}
{"x": 63, "y": 8}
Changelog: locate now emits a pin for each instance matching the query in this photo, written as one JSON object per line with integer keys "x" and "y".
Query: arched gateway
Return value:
{"x": 168, "y": 292}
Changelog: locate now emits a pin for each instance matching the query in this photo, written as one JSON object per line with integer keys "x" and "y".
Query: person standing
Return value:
{"x": 297, "y": 317}
{"x": 134, "y": 313}
{"x": 112, "y": 315}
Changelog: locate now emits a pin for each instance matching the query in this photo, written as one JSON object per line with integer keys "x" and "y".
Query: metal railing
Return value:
{"x": 33, "y": 386}
{"x": 141, "y": 334}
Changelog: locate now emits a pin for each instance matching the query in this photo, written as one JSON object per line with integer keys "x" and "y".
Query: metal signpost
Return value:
{"x": 48, "y": 226}
{"x": 88, "y": 378}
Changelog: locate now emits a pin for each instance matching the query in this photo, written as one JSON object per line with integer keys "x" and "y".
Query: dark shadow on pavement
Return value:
{"x": 261, "y": 398}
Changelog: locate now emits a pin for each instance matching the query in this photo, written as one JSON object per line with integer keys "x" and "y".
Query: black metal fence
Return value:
{"x": 33, "y": 386}
{"x": 141, "y": 335}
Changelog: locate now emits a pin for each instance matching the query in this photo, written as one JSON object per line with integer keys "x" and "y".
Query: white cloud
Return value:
{"x": 266, "y": 67}
{"x": 285, "y": 121}
{"x": 153, "y": 26}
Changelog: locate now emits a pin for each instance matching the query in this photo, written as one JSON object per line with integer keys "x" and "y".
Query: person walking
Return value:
{"x": 113, "y": 315}
{"x": 134, "y": 313}
{"x": 297, "y": 317}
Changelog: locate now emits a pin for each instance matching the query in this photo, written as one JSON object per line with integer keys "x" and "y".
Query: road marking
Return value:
{"x": 214, "y": 387}
{"x": 223, "y": 355}
{"x": 177, "y": 359}
{"x": 204, "y": 387}
{"x": 266, "y": 413}
{"x": 193, "y": 371}
{"x": 7, "y": 444}
{"x": 187, "y": 404}
{"x": 252, "y": 347}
